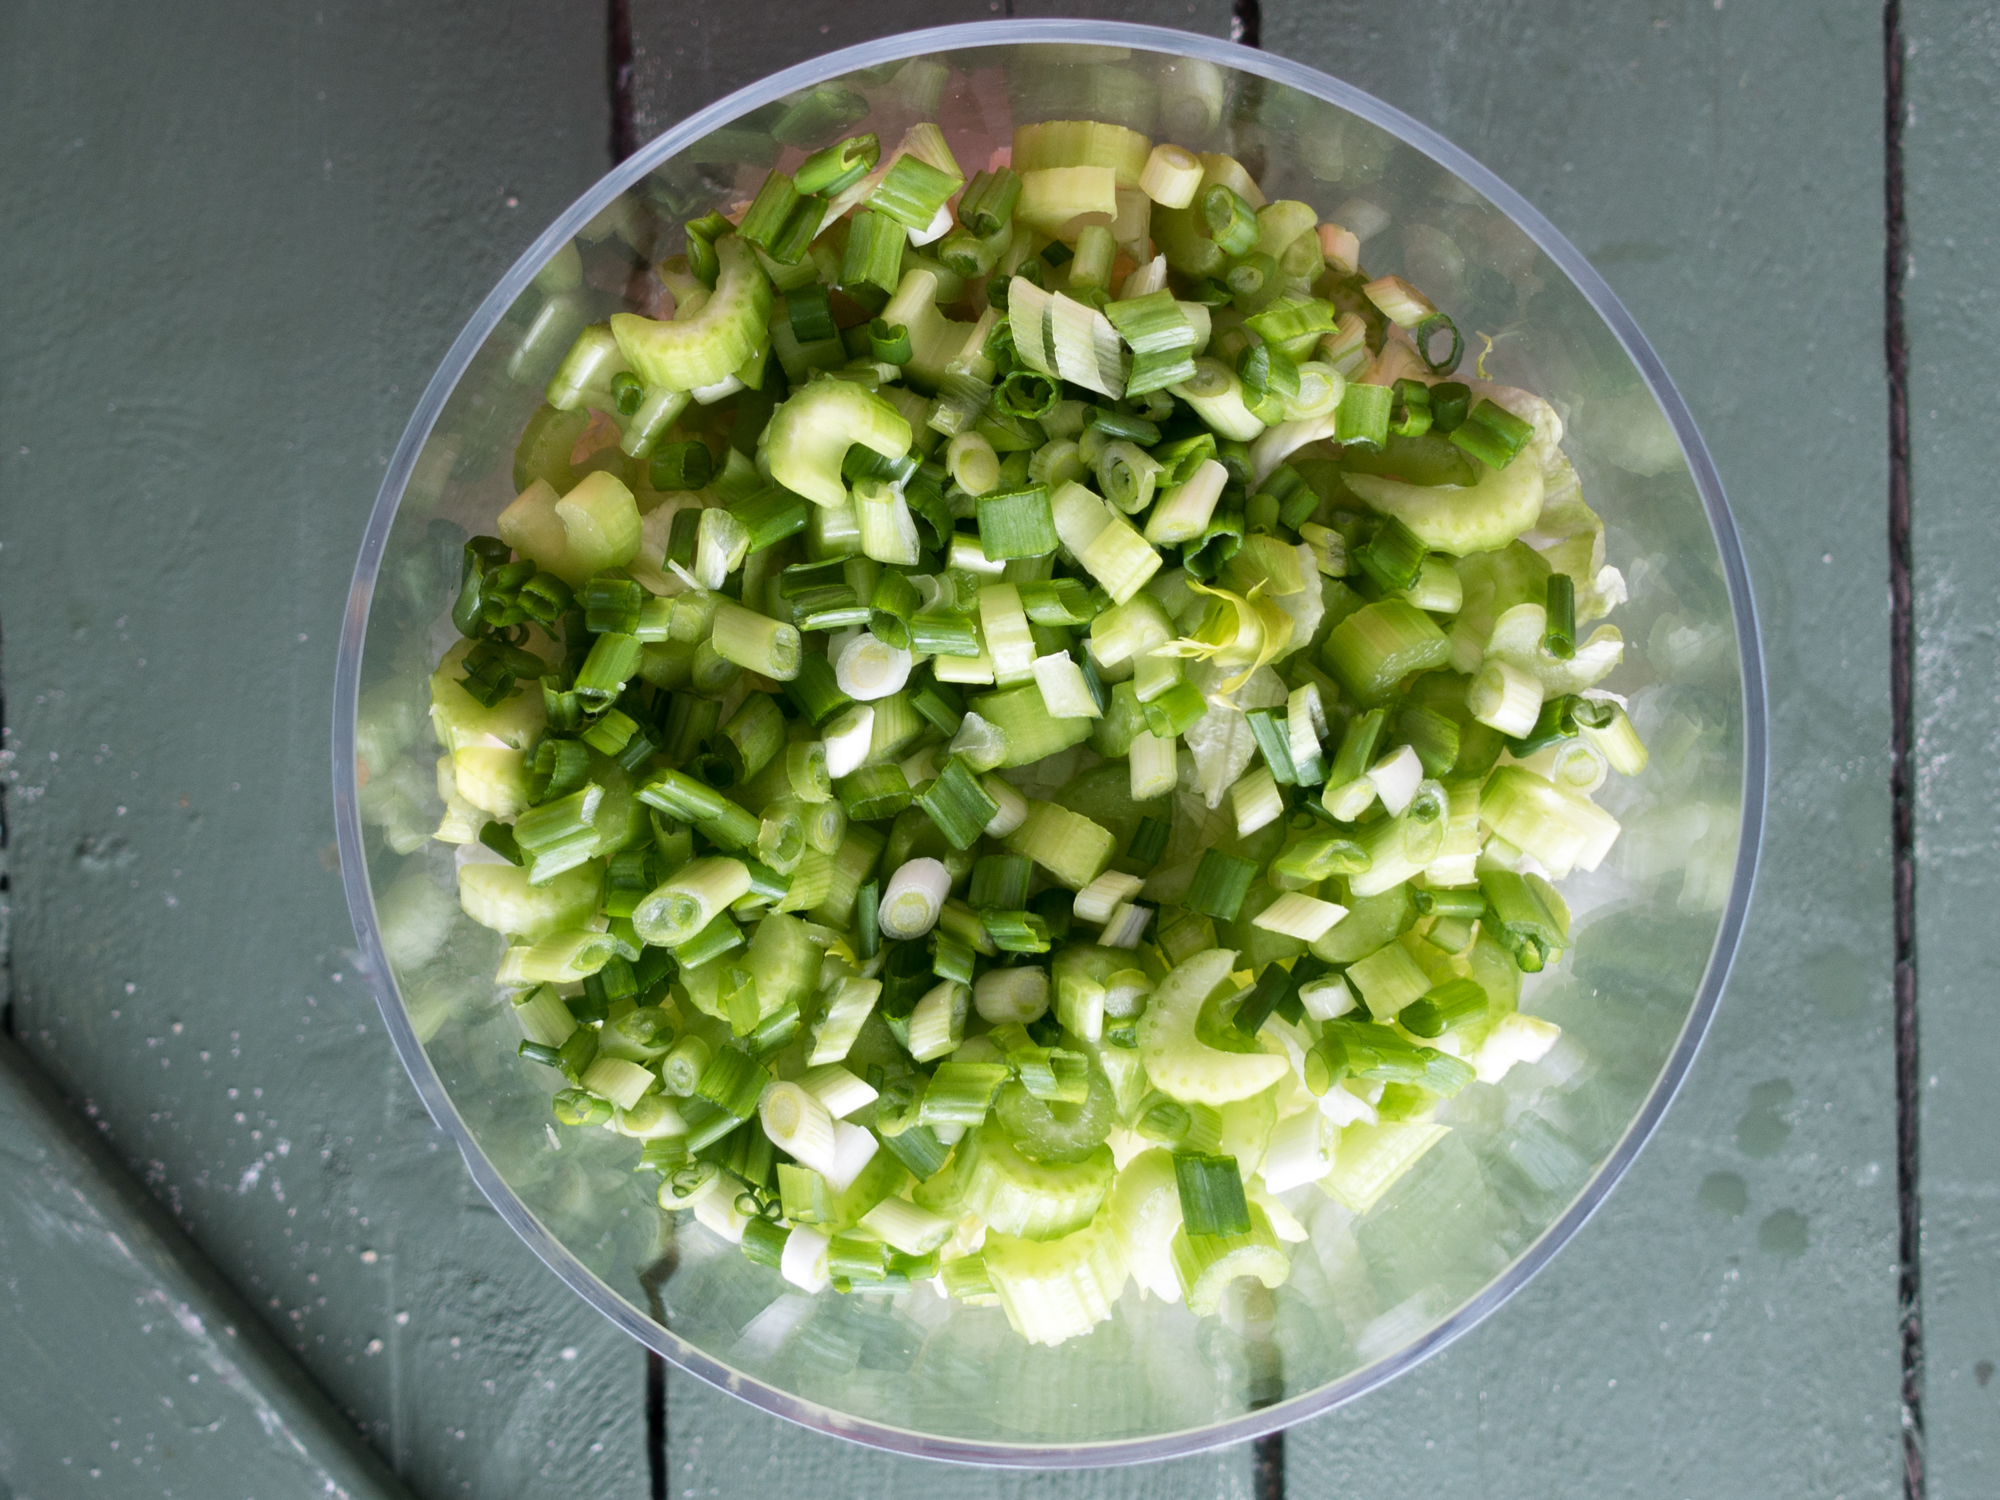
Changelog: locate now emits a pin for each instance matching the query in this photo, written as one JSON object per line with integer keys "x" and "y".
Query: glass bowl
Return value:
{"x": 1526, "y": 1161}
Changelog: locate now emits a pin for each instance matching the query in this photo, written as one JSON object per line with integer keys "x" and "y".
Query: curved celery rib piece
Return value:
{"x": 1082, "y": 143}
{"x": 716, "y": 341}
{"x": 1144, "y": 1211}
{"x": 1379, "y": 645}
{"x": 1478, "y": 518}
{"x": 1179, "y": 1063}
{"x": 808, "y": 437}
{"x": 500, "y": 897}
{"x": 1207, "y": 1263}
{"x": 1368, "y": 1160}
{"x": 1033, "y": 1200}
{"x": 1053, "y": 1290}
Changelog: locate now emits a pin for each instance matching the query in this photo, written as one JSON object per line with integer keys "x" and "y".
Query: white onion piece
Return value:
{"x": 913, "y": 898}
{"x": 869, "y": 668}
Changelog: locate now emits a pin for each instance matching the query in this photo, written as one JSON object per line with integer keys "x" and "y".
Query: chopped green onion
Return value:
{"x": 1161, "y": 338}
{"x": 1451, "y": 401}
{"x": 987, "y": 203}
{"x": 1522, "y": 920}
{"x": 874, "y": 254}
{"x": 1427, "y": 333}
{"x": 999, "y": 880}
{"x": 960, "y": 1093}
{"x": 838, "y": 167}
{"x": 702, "y": 234}
{"x": 1016, "y": 931}
{"x": 1492, "y": 434}
{"x": 1274, "y": 742}
{"x": 1504, "y": 697}
{"x": 1231, "y": 222}
{"x": 958, "y": 803}
{"x": 732, "y": 1082}
{"x": 810, "y": 313}
{"x": 770, "y": 515}
{"x": 1027, "y": 394}
{"x": 1176, "y": 711}
{"x": 755, "y": 642}
{"x": 1559, "y": 637}
{"x": 937, "y": 1025}
{"x": 947, "y": 635}
{"x": 1252, "y": 279}
{"x": 1016, "y": 523}
{"x": 1392, "y": 556}
{"x": 1221, "y": 881}
{"x": 781, "y": 222}
{"x": 912, "y": 192}
{"x": 1411, "y": 415}
{"x": 889, "y": 342}
{"x": 1362, "y": 419}
{"x": 874, "y": 792}
{"x": 1211, "y": 1193}
{"x": 816, "y": 690}
{"x": 1451, "y": 1005}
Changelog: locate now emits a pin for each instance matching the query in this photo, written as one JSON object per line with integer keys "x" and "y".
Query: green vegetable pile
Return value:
{"x": 1033, "y": 720}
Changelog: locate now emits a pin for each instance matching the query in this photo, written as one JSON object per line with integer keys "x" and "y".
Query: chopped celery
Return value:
{"x": 869, "y": 785}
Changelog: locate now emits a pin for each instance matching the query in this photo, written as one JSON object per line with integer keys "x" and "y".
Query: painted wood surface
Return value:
{"x": 1727, "y": 1323}
{"x": 131, "y": 1366}
{"x": 243, "y": 237}
{"x": 1951, "y": 71}
{"x": 240, "y": 237}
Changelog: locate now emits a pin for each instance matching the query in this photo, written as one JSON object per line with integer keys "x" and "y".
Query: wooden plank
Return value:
{"x": 686, "y": 56}
{"x": 132, "y": 1368}
{"x": 241, "y": 238}
{"x": 1951, "y": 68}
{"x": 1726, "y": 1325}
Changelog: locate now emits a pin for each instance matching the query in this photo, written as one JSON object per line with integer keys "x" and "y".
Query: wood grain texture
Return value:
{"x": 240, "y": 237}
{"x": 686, "y": 56}
{"x": 683, "y": 58}
{"x": 132, "y": 1369}
{"x": 1722, "y": 166}
{"x": 1952, "y": 149}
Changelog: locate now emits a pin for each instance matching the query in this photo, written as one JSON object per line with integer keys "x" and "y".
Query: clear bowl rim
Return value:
{"x": 354, "y": 873}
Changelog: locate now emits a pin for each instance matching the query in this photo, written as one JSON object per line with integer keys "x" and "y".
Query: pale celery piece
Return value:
{"x": 1017, "y": 675}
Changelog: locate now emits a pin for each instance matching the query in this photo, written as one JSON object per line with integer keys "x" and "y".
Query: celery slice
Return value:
{"x": 1178, "y": 1062}
{"x": 1056, "y": 1289}
{"x": 809, "y": 435}
{"x": 709, "y": 346}
{"x": 1206, "y": 1264}
{"x": 1482, "y": 517}
{"x": 1034, "y": 1200}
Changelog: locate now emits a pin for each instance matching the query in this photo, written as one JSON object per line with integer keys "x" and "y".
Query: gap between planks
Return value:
{"x": 1902, "y": 667}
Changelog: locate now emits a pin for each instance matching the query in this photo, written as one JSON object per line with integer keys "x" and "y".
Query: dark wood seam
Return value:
{"x": 1902, "y": 666}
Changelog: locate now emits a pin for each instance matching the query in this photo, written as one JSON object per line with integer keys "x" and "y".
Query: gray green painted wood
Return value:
{"x": 1741, "y": 1282}
{"x": 1726, "y": 1325}
{"x": 1951, "y": 72}
{"x": 258, "y": 279}
{"x": 240, "y": 237}
{"x": 718, "y": 1446}
{"x": 686, "y": 56}
{"x": 132, "y": 1368}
